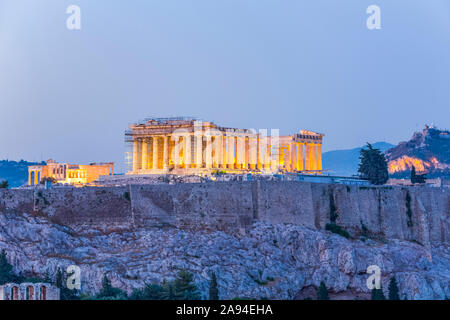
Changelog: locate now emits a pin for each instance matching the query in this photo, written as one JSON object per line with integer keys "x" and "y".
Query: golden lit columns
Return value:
{"x": 217, "y": 149}
{"x": 259, "y": 153}
{"x": 319, "y": 157}
{"x": 224, "y": 155}
{"x": 135, "y": 155}
{"x": 300, "y": 157}
{"x": 307, "y": 157}
{"x": 208, "y": 152}
{"x": 314, "y": 156}
{"x": 187, "y": 151}
{"x": 198, "y": 150}
{"x": 252, "y": 151}
{"x": 166, "y": 153}
{"x": 230, "y": 152}
{"x": 155, "y": 152}
{"x": 239, "y": 143}
{"x": 293, "y": 156}
{"x": 176, "y": 151}
{"x": 144, "y": 153}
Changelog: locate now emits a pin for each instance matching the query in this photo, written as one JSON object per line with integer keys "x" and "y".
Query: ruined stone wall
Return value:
{"x": 234, "y": 206}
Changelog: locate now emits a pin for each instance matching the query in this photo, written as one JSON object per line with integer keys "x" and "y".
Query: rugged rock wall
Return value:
{"x": 262, "y": 239}
{"x": 409, "y": 213}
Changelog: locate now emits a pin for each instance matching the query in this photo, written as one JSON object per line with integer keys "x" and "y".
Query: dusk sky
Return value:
{"x": 70, "y": 94}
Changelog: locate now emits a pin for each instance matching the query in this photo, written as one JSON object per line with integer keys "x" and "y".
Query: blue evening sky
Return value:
{"x": 69, "y": 95}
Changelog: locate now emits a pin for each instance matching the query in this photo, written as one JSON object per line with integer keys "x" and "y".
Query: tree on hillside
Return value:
{"x": 213, "y": 290}
{"x": 6, "y": 269}
{"x": 108, "y": 292}
{"x": 65, "y": 293}
{"x": 322, "y": 293}
{"x": 185, "y": 289}
{"x": 393, "y": 289}
{"x": 4, "y": 184}
{"x": 417, "y": 178}
{"x": 377, "y": 294}
{"x": 373, "y": 165}
{"x": 149, "y": 292}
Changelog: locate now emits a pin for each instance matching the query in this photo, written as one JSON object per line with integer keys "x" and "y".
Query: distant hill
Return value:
{"x": 346, "y": 162}
{"x": 16, "y": 172}
{"x": 428, "y": 151}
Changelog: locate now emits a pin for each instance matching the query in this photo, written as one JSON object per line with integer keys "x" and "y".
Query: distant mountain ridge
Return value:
{"x": 346, "y": 162}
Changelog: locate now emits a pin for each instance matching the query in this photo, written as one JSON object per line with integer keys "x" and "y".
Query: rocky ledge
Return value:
{"x": 279, "y": 261}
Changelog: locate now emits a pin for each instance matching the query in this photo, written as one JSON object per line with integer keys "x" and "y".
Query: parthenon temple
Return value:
{"x": 191, "y": 146}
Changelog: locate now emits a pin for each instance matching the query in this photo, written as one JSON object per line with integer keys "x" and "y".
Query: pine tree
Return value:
{"x": 213, "y": 290}
{"x": 413, "y": 174}
{"x": 108, "y": 291}
{"x": 184, "y": 288}
{"x": 393, "y": 289}
{"x": 377, "y": 294}
{"x": 322, "y": 293}
{"x": 6, "y": 269}
{"x": 373, "y": 165}
{"x": 168, "y": 292}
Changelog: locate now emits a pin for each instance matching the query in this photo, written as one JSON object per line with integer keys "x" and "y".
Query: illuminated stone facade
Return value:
{"x": 29, "y": 291}
{"x": 64, "y": 173}
{"x": 189, "y": 146}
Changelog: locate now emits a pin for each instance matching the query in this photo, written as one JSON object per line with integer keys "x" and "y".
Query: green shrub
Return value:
{"x": 337, "y": 229}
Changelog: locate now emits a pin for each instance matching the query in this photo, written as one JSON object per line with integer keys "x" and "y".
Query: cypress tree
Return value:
{"x": 373, "y": 165}
{"x": 393, "y": 289}
{"x": 322, "y": 293}
{"x": 213, "y": 290}
{"x": 6, "y": 269}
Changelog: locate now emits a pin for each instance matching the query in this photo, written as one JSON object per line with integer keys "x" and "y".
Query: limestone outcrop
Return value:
{"x": 261, "y": 238}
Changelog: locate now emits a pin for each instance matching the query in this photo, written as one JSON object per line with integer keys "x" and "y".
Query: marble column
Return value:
{"x": 300, "y": 166}
{"x": 230, "y": 152}
{"x": 267, "y": 154}
{"x": 208, "y": 152}
{"x": 259, "y": 153}
{"x": 319, "y": 157}
{"x": 166, "y": 153}
{"x": 155, "y": 153}
{"x": 252, "y": 152}
{"x": 176, "y": 152}
{"x": 239, "y": 152}
{"x": 135, "y": 155}
{"x": 293, "y": 156}
{"x": 246, "y": 153}
{"x": 216, "y": 151}
{"x": 144, "y": 152}
{"x": 187, "y": 151}
{"x": 314, "y": 156}
{"x": 198, "y": 151}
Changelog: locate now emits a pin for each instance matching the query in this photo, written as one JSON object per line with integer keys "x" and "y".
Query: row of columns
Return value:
{"x": 224, "y": 152}
{"x": 34, "y": 177}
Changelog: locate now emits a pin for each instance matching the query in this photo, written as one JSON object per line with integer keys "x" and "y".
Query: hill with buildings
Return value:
{"x": 428, "y": 151}
{"x": 346, "y": 162}
{"x": 15, "y": 172}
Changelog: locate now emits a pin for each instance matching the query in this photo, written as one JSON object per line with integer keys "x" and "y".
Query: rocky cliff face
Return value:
{"x": 279, "y": 261}
{"x": 262, "y": 239}
{"x": 428, "y": 151}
